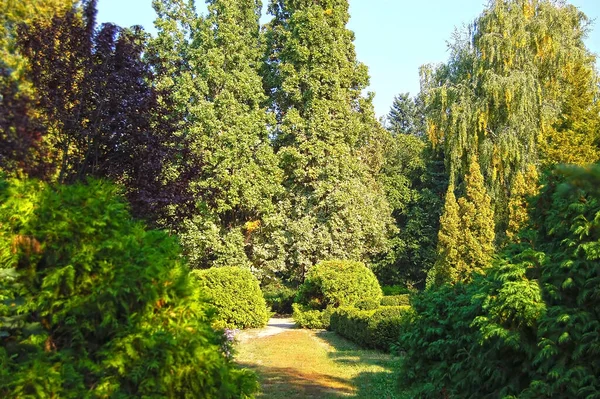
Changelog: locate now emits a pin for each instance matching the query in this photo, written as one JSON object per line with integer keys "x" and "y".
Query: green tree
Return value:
{"x": 334, "y": 207}
{"x": 449, "y": 245}
{"x": 407, "y": 115}
{"x": 209, "y": 67}
{"x": 92, "y": 304}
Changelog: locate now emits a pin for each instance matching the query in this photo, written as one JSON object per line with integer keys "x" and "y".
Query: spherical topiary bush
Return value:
{"x": 93, "y": 305}
{"x": 339, "y": 283}
{"x": 336, "y": 283}
{"x": 236, "y": 295}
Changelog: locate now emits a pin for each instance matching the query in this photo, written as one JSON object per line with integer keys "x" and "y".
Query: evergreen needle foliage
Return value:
{"x": 94, "y": 305}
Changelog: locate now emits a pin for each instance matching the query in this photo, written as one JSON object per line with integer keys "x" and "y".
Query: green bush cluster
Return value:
{"x": 279, "y": 298}
{"x": 331, "y": 284}
{"x": 314, "y": 319}
{"x": 236, "y": 295}
{"x": 389, "y": 290}
{"x": 94, "y": 305}
{"x": 396, "y": 300}
{"x": 379, "y": 328}
{"x": 529, "y": 327}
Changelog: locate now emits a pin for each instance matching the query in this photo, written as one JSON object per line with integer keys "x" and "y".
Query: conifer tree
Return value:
{"x": 466, "y": 236}
{"x": 449, "y": 236}
{"x": 334, "y": 207}
{"x": 477, "y": 224}
{"x": 210, "y": 67}
{"x": 524, "y": 186}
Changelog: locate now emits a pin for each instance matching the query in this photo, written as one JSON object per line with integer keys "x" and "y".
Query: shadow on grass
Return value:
{"x": 289, "y": 383}
{"x": 380, "y": 382}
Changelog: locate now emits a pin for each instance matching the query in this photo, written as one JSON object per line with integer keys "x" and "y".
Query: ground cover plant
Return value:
{"x": 94, "y": 305}
{"x": 236, "y": 295}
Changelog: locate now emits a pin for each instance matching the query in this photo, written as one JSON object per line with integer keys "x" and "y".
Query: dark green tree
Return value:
{"x": 407, "y": 115}
{"x": 334, "y": 207}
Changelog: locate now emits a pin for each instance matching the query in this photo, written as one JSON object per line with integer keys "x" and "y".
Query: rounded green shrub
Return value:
{"x": 338, "y": 283}
{"x": 331, "y": 284}
{"x": 94, "y": 305}
{"x": 236, "y": 295}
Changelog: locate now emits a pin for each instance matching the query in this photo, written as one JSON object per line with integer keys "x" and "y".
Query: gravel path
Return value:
{"x": 274, "y": 327}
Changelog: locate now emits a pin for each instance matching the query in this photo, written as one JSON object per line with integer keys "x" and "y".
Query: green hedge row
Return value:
{"x": 396, "y": 300}
{"x": 377, "y": 328}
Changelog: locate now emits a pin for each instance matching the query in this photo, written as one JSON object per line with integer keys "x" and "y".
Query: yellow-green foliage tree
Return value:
{"x": 524, "y": 186}
{"x": 519, "y": 89}
{"x": 466, "y": 237}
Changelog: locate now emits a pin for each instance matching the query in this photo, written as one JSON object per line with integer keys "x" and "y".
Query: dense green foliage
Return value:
{"x": 334, "y": 207}
{"x": 331, "y": 284}
{"x": 377, "y": 328}
{"x": 236, "y": 294}
{"x": 94, "y": 305}
{"x": 338, "y": 283}
{"x": 466, "y": 237}
{"x": 279, "y": 297}
{"x": 529, "y": 328}
{"x": 414, "y": 182}
{"x": 207, "y": 66}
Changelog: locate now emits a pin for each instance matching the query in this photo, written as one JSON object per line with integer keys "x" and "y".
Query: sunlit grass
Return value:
{"x": 318, "y": 364}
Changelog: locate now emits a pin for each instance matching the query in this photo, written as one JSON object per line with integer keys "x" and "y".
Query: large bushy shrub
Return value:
{"x": 379, "y": 328}
{"x": 236, "y": 294}
{"x": 94, "y": 305}
{"x": 529, "y": 328}
{"x": 331, "y": 284}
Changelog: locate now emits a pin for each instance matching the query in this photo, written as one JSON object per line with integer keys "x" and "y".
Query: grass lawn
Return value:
{"x": 318, "y": 364}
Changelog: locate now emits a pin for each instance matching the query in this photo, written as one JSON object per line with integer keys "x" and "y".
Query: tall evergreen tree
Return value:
{"x": 209, "y": 65}
{"x": 466, "y": 237}
{"x": 524, "y": 186}
{"x": 334, "y": 207}
{"x": 406, "y": 115}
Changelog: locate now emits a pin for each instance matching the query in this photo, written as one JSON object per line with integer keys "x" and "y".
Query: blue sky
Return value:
{"x": 393, "y": 37}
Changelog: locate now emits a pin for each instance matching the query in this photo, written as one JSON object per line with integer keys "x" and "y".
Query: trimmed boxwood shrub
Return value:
{"x": 236, "y": 295}
{"x": 94, "y": 305}
{"x": 279, "y": 297}
{"x": 379, "y": 328}
{"x": 396, "y": 300}
{"x": 335, "y": 283}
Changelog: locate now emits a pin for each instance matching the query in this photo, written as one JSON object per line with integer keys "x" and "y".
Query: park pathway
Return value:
{"x": 294, "y": 363}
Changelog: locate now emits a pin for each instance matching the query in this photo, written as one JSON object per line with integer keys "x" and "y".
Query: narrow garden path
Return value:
{"x": 295, "y": 363}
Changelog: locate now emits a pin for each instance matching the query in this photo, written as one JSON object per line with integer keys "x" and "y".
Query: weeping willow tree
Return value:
{"x": 519, "y": 89}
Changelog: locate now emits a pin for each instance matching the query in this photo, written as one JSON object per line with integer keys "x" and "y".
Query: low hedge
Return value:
{"x": 396, "y": 300}
{"x": 236, "y": 295}
{"x": 377, "y": 328}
